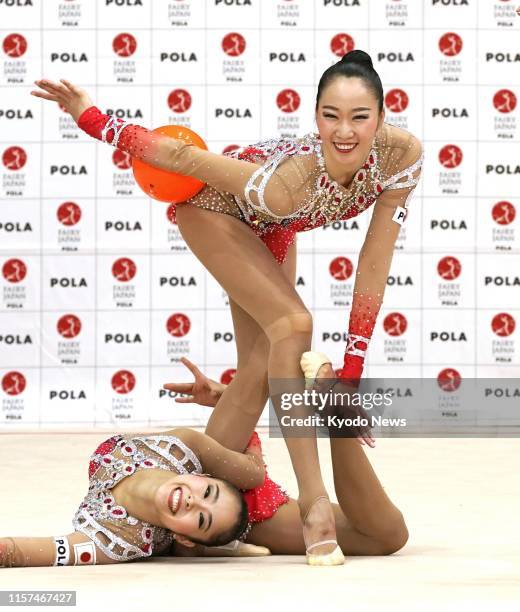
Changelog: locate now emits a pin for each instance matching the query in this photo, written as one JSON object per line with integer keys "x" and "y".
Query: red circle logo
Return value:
{"x": 14, "y": 45}
{"x": 178, "y": 325}
{"x": 14, "y": 270}
{"x": 503, "y": 324}
{"x": 341, "y": 44}
{"x": 68, "y": 213}
{"x": 341, "y": 268}
{"x": 124, "y": 269}
{"x": 233, "y": 44}
{"x": 288, "y": 100}
{"x": 14, "y": 383}
{"x": 14, "y": 158}
{"x": 396, "y": 100}
{"x": 124, "y": 44}
{"x": 179, "y": 101}
{"x": 68, "y": 326}
{"x": 450, "y": 156}
{"x": 450, "y": 44}
{"x": 227, "y": 376}
{"x": 503, "y": 213}
{"x": 449, "y": 268}
{"x": 395, "y": 324}
{"x": 121, "y": 159}
{"x": 123, "y": 382}
{"x": 449, "y": 379}
{"x": 505, "y": 101}
{"x": 170, "y": 214}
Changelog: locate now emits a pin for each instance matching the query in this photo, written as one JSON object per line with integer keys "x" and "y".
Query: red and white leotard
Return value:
{"x": 123, "y": 537}
{"x": 281, "y": 186}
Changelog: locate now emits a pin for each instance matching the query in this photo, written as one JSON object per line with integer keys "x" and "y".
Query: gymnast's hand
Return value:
{"x": 202, "y": 390}
{"x": 73, "y": 99}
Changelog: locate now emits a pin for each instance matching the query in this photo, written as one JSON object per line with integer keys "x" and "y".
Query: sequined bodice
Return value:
{"x": 326, "y": 200}
{"x": 120, "y": 535}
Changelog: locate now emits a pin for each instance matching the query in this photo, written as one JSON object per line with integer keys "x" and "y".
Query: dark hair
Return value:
{"x": 237, "y": 530}
{"x": 355, "y": 63}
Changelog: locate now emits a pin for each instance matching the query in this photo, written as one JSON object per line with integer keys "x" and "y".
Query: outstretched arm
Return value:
{"x": 282, "y": 190}
{"x": 72, "y": 549}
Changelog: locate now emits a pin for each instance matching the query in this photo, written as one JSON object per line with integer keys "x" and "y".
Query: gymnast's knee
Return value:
{"x": 395, "y": 539}
{"x": 290, "y": 325}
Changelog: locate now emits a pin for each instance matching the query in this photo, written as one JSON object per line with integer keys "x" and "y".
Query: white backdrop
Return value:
{"x": 100, "y": 295}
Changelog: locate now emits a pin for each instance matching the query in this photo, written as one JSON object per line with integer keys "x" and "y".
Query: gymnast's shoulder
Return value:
{"x": 393, "y": 139}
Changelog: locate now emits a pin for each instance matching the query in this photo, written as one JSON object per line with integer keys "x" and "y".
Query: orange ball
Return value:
{"x": 169, "y": 186}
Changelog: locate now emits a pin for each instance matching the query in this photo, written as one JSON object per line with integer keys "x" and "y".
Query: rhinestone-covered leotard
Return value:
{"x": 281, "y": 186}
{"x": 119, "y": 535}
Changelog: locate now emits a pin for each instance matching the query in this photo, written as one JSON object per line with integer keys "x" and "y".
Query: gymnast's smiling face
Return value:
{"x": 347, "y": 114}
{"x": 197, "y": 507}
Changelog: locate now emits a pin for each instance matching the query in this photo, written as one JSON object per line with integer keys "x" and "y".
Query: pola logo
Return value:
{"x": 14, "y": 158}
{"x": 450, "y": 156}
{"x": 450, "y": 44}
{"x": 396, "y": 100}
{"x": 341, "y": 268}
{"x": 178, "y": 325}
{"x": 124, "y": 44}
{"x": 14, "y": 270}
{"x": 288, "y": 101}
{"x": 14, "y": 45}
{"x": 505, "y": 101}
{"x": 395, "y": 324}
{"x": 227, "y": 376}
{"x": 68, "y": 326}
{"x": 123, "y": 382}
{"x": 449, "y": 268}
{"x": 503, "y": 324}
{"x": 68, "y": 213}
{"x": 121, "y": 159}
{"x": 170, "y": 214}
{"x": 14, "y": 383}
{"x": 179, "y": 101}
{"x": 233, "y": 44}
{"x": 449, "y": 379}
{"x": 124, "y": 269}
{"x": 503, "y": 213}
{"x": 341, "y": 44}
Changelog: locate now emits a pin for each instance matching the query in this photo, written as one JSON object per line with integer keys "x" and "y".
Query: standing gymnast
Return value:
{"x": 276, "y": 188}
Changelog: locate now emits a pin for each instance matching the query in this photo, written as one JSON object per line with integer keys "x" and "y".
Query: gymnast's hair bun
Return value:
{"x": 358, "y": 57}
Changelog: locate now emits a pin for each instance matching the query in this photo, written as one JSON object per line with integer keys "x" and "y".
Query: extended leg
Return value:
{"x": 245, "y": 268}
{"x": 244, "y": 398}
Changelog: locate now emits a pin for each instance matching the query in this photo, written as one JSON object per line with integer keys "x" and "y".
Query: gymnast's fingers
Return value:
{"x": 191, "y": 367}
{"x": 185, "y": 400}
{"x": 50, "y": 86}
{"x": 72, "y": 88}
{"x": 179, "y": 387}
{"x": 40, "y": 94}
